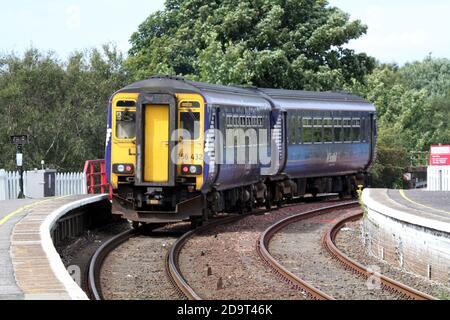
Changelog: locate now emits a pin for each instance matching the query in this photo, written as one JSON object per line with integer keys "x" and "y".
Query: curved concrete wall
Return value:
{"x": 407, "y": 240}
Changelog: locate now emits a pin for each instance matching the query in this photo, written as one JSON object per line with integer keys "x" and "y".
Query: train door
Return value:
{"x": 156, "y": 132}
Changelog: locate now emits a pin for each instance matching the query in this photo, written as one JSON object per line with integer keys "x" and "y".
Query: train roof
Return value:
{"x": 212, "y": 93}
{"x": 251, "y": 96}
{"x": 313, "y": 100}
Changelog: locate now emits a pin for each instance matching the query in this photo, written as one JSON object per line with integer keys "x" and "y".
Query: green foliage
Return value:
{"x": 61, "y": 106}
{"x": 413, "y": 110}
{"x": 267, "y": 43}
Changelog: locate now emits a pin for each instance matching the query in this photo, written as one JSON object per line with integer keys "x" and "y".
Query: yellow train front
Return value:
{"x": 151, "y": 181}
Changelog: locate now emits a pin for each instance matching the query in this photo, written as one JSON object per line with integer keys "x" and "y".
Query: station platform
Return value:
{"x": 11, "y": 211}
{"x": 429, "y": 209}
{"x": 409, "y": 229}
{"x": 30, "y": 266}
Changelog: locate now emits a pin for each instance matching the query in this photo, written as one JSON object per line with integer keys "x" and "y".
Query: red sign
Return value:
{"x": 440, "y": 155}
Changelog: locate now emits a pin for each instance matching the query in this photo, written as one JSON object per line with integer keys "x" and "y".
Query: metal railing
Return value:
{"x": 96, "y": 181}
{"x": 71, "y": 183}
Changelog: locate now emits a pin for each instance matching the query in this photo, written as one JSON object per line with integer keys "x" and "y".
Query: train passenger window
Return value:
{"x": 356, "y": 130}
{"x": 236, "y": 121}
{"x": 292, "y": 124}
{"x": 363, "y": 130}
{"x": 190, "y": 121}
{"x": 307, "y": 130}
{"x": 338, "y": 133}
{"x": 347, "y": 128}
{"x": 126, "y": 124}
{"x": 327, "y": 130}
{"x": 317, "y": 130}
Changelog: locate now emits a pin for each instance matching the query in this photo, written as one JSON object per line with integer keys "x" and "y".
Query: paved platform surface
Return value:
{"x": 429, "y": 209}
{"x": 434, "y": 204}
{"x": 30, "y": 266}
{"x": 10, "y": 214}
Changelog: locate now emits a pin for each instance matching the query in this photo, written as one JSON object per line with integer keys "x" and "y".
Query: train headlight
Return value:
{"x": 123, "y": 168}
{"x": 191, "y": 170}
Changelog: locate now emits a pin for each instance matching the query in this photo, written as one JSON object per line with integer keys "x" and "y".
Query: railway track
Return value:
{"x": 403, "y": 291}
{"x": 184, "y": 290}
{"x": 98, "y": 259}
{"x": 172, "y": 262}
{"x": 389, "y": 284}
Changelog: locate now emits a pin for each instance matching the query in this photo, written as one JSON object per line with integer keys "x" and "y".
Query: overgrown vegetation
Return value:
{"x": 268, "y": 43}
{"x": 61, "y": 106}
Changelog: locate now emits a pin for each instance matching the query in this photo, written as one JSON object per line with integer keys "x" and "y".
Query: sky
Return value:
{"x": 399, "y": 30}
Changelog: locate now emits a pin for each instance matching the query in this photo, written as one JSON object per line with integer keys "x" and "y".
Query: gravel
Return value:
{"x": 349, "y": 241}
{"x": 136, "y": 269}
{"x": 222, "y": 263}
{"x": 299, "y": 248}
{"x": 76, "y": 253}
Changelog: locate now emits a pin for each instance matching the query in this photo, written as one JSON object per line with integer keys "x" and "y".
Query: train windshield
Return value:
{"x": 125, "y": 124}
{"x": 190, "y": 121}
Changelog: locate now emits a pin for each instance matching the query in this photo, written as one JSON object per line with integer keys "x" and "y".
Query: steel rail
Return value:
{"x": 387, "y": 283}
{"x": 263, "y": 251}
{"x": 98, "y": 259}
{"x": 172, "y": 262}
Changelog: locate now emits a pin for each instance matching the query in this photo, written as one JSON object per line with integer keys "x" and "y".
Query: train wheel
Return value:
{"x": 196, "y": 222}
{"x": 268, "y": 200}
{"x": 135, "y": 224}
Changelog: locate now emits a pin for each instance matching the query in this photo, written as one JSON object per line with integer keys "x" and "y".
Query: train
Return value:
{"x": 179, "y": 150}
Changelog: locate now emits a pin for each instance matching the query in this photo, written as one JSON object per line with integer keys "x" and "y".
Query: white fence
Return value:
{"x": 66, "y": 184}
{"x": 438, "y": 178}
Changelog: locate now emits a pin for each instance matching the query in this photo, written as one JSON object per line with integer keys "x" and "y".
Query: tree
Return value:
{"x": 431, "y": 74}
{"x": 413, "y": 112}
{"x": 62, "y": 107}
{"x": 292, "y": 44}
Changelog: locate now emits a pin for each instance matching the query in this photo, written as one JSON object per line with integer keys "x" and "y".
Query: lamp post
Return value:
{"x": 20, "y": 141}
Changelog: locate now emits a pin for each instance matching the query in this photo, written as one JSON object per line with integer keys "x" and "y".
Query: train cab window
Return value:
{"x": 190, "y": 121}
{"x": 356, "y": 130}
{"x": 307, "y": 130}
{"x": 328, "y": 130}
{"x": 347, "y": 129}
{"x": 126, "y": 124}
{"x": 317, "y": 138}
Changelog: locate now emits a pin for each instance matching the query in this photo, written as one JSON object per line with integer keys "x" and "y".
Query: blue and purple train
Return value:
{"x": 179, "y": 150}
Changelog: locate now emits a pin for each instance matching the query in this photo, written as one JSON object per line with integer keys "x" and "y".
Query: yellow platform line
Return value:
{"x": 402, "y": 193}
{"x": 28, "y": 206}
